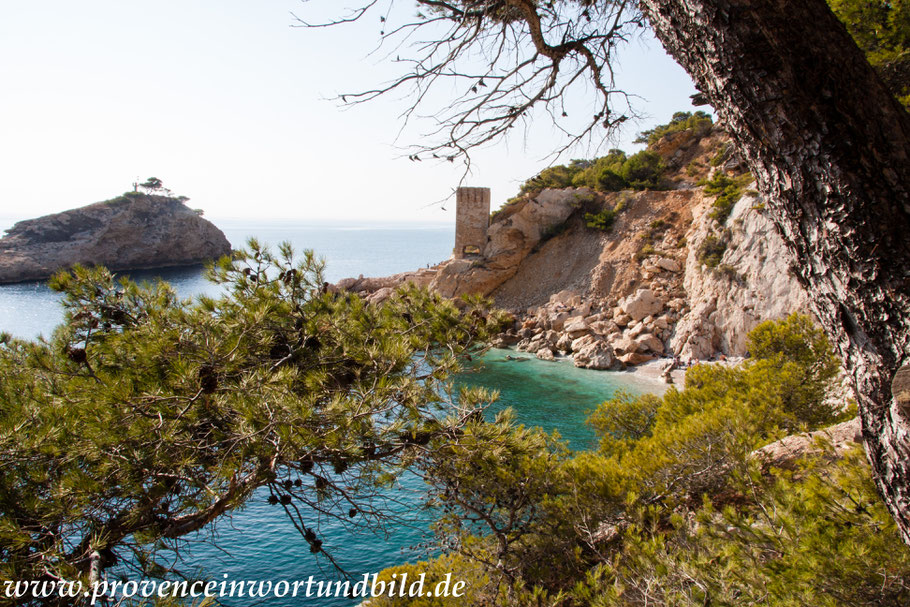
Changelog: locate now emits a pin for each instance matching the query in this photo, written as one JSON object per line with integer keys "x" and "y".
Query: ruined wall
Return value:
{"x": 472, "y": 218}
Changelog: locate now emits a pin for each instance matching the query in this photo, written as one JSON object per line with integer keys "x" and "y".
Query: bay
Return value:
{"x": 258, "y": 542}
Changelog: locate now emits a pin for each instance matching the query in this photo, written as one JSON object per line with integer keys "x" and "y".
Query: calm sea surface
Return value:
{"x": 258, "y": 542}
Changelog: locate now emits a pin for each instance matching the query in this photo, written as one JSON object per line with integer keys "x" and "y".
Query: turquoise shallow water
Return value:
{"x": 258, "y": 542}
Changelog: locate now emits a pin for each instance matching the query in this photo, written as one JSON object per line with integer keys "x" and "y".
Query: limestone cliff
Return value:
{"x": 133, "y": 231}
{"x": 751, "y": 283}
{"x": 673, "y": 275}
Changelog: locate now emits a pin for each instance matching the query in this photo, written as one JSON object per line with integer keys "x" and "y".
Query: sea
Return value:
{"x": 258, "y": 542}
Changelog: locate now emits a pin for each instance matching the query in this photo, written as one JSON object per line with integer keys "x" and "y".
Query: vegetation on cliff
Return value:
{"x": 674, "y": 508}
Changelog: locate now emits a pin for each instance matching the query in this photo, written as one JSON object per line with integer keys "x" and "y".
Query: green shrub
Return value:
{"x": 602, "y": 220}
{"x": 723, "y": 152}
{"x": 727, "y": 271}
{"x": 611, "y": 173}
{"x": 728, "y": 190}
{"x": 646, "y": 251}
{"x": 699, "y": 122}
{"x": 559, "y": 176}
{"x": 643, "y": 170}
{"x": 673, "y": 509}
{"x": 712, "y": 250}
{"x": 818, "y": 536}
{"x": 694, "y": 168}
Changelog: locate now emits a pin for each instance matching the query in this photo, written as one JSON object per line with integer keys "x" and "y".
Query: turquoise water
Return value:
{"x": 30, "y": 309}
{"x": 258, "y": 542}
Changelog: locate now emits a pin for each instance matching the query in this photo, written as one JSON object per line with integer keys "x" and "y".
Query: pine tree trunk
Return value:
{"x": 830, "y": 147}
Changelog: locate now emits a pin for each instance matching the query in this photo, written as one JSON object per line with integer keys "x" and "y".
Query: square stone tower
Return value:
{"x": 472, "y": 218}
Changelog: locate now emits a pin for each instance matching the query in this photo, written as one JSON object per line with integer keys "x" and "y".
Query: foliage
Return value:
{"x": 643, "y": 170}
{"x": 152, "y": 184}
{"x": 699, "y": 123}
{"x": 146, "y": 417}
{"x": 819, "y": 536}
{"x": 796, "y": 342}
{"x": 723, "y": 152}
{"x": 501, "y": 490}
{"x": 557, "y": 177}
{"x": 645, "y": 251}
{"x": 434, "y": 571}
{"x": 670, "y": 494}
{"x": 610, "y": 173}
{"x": 602, "y": 220}
{"x": 712, "y": 250}
{"x": 728, "y": 190}
{"x": 881, "y": 28}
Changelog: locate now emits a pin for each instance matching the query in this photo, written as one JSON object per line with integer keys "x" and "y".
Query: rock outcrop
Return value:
{"x": 751, "y": 283}
{"x": 642, "y": 289}
{"x": 133, "y": 231}
{"x": 839, "y": 439}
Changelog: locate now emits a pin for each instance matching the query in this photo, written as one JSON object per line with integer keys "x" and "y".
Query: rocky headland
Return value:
{"x": 131, "y": 232}
{"x": 683, "y": 272}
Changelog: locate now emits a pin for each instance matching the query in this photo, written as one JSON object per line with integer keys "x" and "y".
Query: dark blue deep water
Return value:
{"x": 258, "y": 542}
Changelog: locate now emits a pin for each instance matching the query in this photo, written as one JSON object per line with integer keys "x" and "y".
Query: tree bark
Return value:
{"x": 829, "y": 147}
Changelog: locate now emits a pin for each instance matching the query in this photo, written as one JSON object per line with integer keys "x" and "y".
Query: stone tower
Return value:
{"x": 472, "y": 218}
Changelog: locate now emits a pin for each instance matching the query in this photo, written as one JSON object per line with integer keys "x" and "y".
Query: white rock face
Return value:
{"x": 758, "y": 285}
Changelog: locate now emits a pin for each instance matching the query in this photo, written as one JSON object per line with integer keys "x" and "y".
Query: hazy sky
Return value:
{"x": 229, "y": 105}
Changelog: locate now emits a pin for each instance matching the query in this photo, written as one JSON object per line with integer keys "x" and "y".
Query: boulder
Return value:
{"x": 604, "y": 327}
{"x": 640, "y": 304}
{"x": 786, "y": 451}
{"x": 564, "y": 344}
{"x": 582, "y": 342}
{"x": 564, "y": 297}
{"x": 671, "y": 265}
{"x": 596, "y": 355}
{"x": 624, "y": 345}
{"x": 636, "y": 330}
{"x": 545, "y": 354}
{"x": 650, "y": 342}
{"x": 504, "y": 340}
{"x": 576, "y": 328}
{"x": 635, "y": 358}
{"x": 558, "y": 320}
{"x": 381, "y": 295}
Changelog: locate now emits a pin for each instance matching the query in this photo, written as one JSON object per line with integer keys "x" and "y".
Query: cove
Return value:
{"x": 259, "y": 542}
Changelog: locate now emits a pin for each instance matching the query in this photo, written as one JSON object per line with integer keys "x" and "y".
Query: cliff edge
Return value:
{"x": 131, "y": 232}
{"x": 617, "y": 278}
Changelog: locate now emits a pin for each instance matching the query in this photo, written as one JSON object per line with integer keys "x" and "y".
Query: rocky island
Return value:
{"x": 131, "y": 232}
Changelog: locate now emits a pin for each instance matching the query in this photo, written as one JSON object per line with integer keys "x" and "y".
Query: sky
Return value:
{"x": 230, "y": 105}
